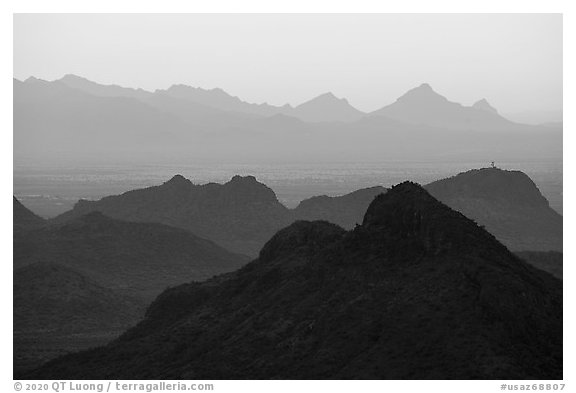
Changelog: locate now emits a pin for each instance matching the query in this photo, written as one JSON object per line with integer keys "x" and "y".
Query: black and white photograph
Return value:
{"x": 287, "y": 196}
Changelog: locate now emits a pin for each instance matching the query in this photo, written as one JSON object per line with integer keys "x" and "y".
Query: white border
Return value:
{"x": 244, "y": 6}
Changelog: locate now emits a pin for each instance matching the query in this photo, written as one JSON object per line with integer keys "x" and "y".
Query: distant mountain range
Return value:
{"x": 75, "y": 119}
{"x": 243, "y": 214}
{"x": 417, "y": 291}
{"x": 424, "y": 106}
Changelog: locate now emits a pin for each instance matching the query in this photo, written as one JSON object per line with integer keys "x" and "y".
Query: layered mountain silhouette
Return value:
{"x": 55, "y": 122}
{"x": 243, "y": 214}
{"x": 138, "y": 259}
{"x": 240, "y": 215}
{"x": 79, "y": 284}
{"x": 74, "y": 119}
{"x": 507, "y": 203}
{"x": 418, "y": 291}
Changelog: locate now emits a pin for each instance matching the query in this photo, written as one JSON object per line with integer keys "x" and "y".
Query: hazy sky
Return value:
{"x": 513, "y": 60}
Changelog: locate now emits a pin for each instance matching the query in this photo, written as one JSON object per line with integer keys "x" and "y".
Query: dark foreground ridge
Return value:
{"x": 418, "y": 291}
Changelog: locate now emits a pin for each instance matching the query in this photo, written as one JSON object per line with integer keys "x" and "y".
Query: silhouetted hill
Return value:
{"x": 418, "y": 291}
{"x": 507, "y": 203}
{"x": 58, "y": 310}
{"x": 345, "y": 211}
{"x": 23, "y": 218}
{"x": 422, "y": 105}
{"x": 137, "y": 259}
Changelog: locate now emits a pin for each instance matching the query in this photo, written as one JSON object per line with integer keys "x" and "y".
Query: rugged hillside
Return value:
{"x": 23, "y": 218}
{"x": 137, "y": 259}
{"x": 58, "y": 310}
{"x": 507, "y": 203}
{"x": 417, "y": 291}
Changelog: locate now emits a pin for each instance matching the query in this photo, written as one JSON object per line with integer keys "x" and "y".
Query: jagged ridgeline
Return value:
{"x": 416, "y": 291}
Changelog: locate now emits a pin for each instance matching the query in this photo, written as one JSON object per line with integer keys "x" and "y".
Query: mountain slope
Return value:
{"x": 58, "y": 310}
{"x": 23, "y": 218}
{"x": 507, "y": 203}
{"x": 417, "y": 291}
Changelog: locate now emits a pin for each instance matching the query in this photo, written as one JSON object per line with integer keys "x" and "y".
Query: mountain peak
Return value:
{"x": 408, "y": 213}
{"x": 33, "y": 79}
{"x": 74, "y": 77}
{"x": 250, "y": 190}
{"x": 421, "y": 94}
{"x": 178, "y": 180}
{"x": 484, "y": 105}
{"x": 327, "y": 96}
{"x": 243, "y": 179}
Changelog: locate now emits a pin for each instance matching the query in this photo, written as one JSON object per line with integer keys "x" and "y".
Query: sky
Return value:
{"x": 512, "y": 60}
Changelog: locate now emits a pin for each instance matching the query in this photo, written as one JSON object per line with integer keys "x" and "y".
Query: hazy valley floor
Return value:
{"x": 49, "y": 191}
